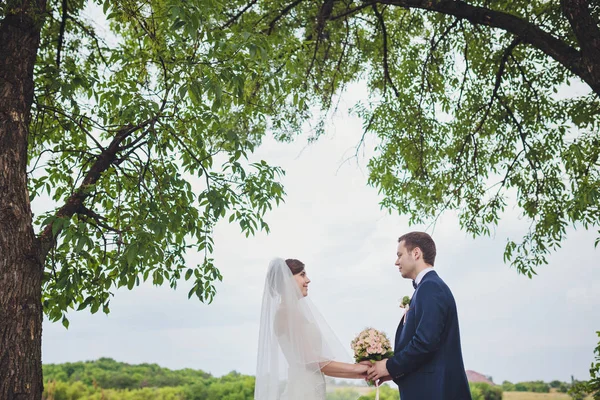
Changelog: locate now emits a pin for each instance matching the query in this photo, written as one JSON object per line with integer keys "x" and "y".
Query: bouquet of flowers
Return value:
{"x": 371, "y": 345}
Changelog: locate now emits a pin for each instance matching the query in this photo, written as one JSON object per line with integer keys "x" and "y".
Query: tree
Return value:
{"x": 555, "y": 384}
{"x": 583, "y": 389}
{"x": 486, "y": 391}
{"x": 463, "y": 102}
{"x": 594, "y": 382}
{"x": 139, "y": 138}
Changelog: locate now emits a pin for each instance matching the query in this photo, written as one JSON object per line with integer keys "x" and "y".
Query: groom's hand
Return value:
{"x": 378, "y": 371}
{"x": 384, "y": 379}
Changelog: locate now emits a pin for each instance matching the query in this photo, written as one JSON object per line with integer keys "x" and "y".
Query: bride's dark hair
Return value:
{"x": 296, "y": 266}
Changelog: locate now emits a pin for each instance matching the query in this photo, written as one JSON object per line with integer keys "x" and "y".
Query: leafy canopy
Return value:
{"x": 141, "y": 133}
{"x": 143, "y": 126}
{"x": 466, "y": 101}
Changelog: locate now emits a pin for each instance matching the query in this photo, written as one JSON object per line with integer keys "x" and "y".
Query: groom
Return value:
{"x": 427, "y": 362}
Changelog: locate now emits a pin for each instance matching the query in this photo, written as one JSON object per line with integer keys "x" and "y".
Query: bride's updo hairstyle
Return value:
{"x": 296, "y": 266}
{"x": 277, "y": 275}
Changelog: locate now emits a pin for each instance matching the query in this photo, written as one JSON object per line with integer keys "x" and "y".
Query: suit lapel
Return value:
{"x": 429, "y": 275}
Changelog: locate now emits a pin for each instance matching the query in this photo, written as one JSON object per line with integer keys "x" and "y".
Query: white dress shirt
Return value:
{"x": 422, "y": 274}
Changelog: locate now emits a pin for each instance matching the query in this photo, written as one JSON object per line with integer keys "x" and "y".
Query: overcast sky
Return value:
{"x": 512, "y": 328}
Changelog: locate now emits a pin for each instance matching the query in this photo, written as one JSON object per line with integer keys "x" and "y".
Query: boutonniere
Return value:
{"x": 405, "y": 305}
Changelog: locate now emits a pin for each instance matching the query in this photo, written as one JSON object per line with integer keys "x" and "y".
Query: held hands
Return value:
{"x": 377, "y": 371}
{"x": 361, "y": 370}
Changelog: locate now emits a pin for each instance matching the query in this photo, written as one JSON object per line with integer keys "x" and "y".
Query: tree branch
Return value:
{"x": 498, "y": 80}
{"x": 529, "y": 33}
{"x": 507, "y": 53}
{"x": 352, "y": 10}
{"x": 75, "y": 201}
{"x": 191, "y": 154}
{"x": 238, "y": 15}
{"x": 522, "y": 135}
{"x": 61, "y": 35}
{"x": 430, "y": 56}
{"x": 282, "y": 14}
{"x": 84, "y": 211}
{"x": 91, "y": 34}
{"x": 324, "y": 14}
{"x": 338, "y": 66}
{"x": 78, "y": 122}
{"x": 386, "y": 67}
{"x": 530, "y": 85}
{"x": 466, "y": 73}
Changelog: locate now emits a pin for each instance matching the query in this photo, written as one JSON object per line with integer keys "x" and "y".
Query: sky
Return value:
{"x": 512, "y": 327}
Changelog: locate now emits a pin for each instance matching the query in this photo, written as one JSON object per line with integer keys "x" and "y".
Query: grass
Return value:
{"x": 506, "y": 395}
{"x": 536, "y": 396}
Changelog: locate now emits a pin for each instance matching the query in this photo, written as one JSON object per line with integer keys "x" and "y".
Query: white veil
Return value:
{"x": 294, "y": 341}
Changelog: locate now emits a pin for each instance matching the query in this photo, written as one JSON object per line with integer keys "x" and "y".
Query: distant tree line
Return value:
{"x": 107, "y": 379}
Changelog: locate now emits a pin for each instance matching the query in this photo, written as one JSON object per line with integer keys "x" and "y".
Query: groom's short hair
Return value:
{"x": 421, "y": 240}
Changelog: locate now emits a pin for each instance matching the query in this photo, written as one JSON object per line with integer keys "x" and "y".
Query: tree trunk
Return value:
{"x": 20, "y": 262}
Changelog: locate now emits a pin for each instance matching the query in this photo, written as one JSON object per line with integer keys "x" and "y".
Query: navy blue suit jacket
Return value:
{"x": 427, "y": 362}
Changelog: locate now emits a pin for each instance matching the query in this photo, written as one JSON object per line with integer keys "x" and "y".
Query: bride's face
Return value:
{"x": 302, "y": 281}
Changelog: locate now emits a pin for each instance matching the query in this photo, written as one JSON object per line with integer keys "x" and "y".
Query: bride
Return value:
{"x": 296, "y": 347}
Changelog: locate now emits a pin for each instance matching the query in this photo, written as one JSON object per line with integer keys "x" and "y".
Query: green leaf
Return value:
{"x": 131, "y": 253}
{"x": 188, "y": 274}
{"x": 81, "y": 241}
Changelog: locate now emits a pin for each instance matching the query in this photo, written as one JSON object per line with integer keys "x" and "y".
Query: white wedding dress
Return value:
{"x": 304, "y": 381}
{"x": 295, "y": 342}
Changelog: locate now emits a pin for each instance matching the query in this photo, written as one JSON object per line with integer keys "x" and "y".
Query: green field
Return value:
{"x": 535, "y": 396}
{"x": 506, "y": 395}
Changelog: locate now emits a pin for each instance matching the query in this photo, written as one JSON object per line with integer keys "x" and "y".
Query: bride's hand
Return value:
{"x": 361, "y": 369}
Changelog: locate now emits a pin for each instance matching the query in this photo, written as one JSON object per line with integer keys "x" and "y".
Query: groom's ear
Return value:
{"x": 417, "y": 253}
